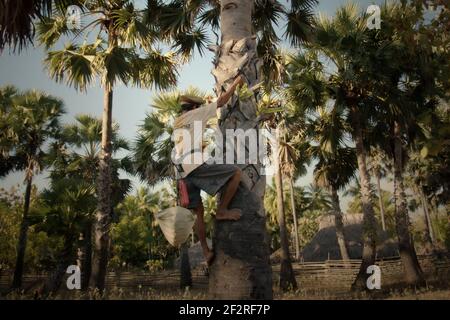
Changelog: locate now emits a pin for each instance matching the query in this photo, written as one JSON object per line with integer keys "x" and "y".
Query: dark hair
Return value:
{"x": 188, "y": 106}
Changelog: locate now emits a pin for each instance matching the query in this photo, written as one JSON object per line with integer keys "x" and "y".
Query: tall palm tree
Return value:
{"x": 326, "y": 128}
{"x": 293, "y": 146}
{"x": 123, "y": 51}
{"x": 353, "y": 52}
{"x": 247, "y": 36}
{"x": 293, "y": 167}
{"x": 33, "y": 121}
{"x": 336, "y": 163}
{"x": 284, "y": 157}
{"x": 283, "y": 151}
{"x": 411, "y": 90}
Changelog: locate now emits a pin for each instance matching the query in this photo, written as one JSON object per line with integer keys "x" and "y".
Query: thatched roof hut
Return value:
{"x": 324, "y": 245}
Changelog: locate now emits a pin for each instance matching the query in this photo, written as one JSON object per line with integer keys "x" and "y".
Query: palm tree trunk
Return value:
{"x": 380, "y": 202}
{"x": 339, "y": 225}
{"x": 103, "y": 214}
{"x": 369, "y": 223}
{"x": 185, "y": 267}
{"x": 287, "y": 277}
{"x": 86, "y": 267}
{"x": 294, "y": 219}
{"x": 22, "y": 244}
{"x": 241, "y": 268}
{"x": 429, "y": 234}
{"x": 435, "y": 211}
{"x": 66, "y": 258}
{"x": 413, "y": 272}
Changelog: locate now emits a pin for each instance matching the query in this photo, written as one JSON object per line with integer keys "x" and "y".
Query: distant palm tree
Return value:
{"x": 83, "y": 138}
{"x": 8, "y": 162}
{"x": 326, "y": 129}
{"x": 33, "y": 121}
{"x": 350, "y": 83}
{"x": 70, "y": 204}
{"x": 146, "y": 204}
{"x": 283, "y": 152}
{"x": 336, "y": 165}
{"x": 411, "y": 90}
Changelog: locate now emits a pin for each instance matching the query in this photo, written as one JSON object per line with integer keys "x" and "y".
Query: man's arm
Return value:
{"x": 224, "y": 98}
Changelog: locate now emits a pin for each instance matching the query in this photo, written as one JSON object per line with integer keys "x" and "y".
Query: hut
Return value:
{"x": 324, "y": 245}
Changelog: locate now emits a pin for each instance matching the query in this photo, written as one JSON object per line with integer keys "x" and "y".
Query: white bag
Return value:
{"x": 176, "y": 224}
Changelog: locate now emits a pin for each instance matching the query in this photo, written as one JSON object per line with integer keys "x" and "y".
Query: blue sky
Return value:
{"x": 26, "y": 71}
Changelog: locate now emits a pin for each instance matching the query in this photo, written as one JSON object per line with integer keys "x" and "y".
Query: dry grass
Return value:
{"x": 198, "y": 294}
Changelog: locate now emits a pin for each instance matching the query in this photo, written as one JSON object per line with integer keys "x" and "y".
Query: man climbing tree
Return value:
{"x": 196, "y": 173}
{"x": 241, "y": 268}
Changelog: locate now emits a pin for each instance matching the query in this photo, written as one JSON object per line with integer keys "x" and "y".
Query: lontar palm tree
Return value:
{"x": 411, "y": 90}
{"x": 336, "y": 163}
{"x": 284, "y": 157}
{"x": 241, "y": 268}
{"x": 122, "y": 52}
{"x": 283, "y": 154}
{"x": 326, "y": 129}
{"x": 33, "y": 121}
{"x": 347, "y": 44}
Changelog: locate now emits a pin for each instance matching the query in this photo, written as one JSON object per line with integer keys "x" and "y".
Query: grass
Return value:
{"x": 429, "y": 293}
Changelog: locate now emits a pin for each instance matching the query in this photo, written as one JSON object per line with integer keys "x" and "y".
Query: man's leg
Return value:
{"x": 223, "y": 212}
{"x": 201, "y": 233}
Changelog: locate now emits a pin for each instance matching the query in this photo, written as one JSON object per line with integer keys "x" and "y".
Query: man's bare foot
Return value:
{"x": 231, "y": 214}
{"x": 209, "y": 257}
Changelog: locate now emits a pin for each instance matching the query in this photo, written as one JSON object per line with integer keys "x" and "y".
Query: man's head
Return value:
{"x": 189, "y": 103}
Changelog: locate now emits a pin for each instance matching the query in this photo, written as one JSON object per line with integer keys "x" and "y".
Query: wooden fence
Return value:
{"x": 338, "y": 275}
{"x": 331, "y": 275}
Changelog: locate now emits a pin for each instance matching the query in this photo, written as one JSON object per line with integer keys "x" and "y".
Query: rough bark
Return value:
{"x": 339, "y": 225}
{"x": 22, "y": 243}
{"x": 84, "y": 256}
{"x": 287, "y": 277}
{"x": 413, "y": 272}
{"x": 103, "y": 214}
{"x": 369, "y": 223}
{"x": 380, "y": 202}
{"x": 294, "y": 219}
{"x": 185, "y": 267}
{"x": 429, "y": 234}
{"x": 241, "y": 268}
